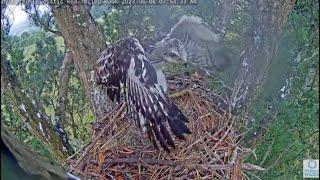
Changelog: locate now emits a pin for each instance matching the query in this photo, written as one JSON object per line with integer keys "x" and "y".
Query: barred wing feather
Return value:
{"x": 125, "y": 63}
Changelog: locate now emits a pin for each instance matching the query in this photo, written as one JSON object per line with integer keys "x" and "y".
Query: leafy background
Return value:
{"x": 291, "y": 137}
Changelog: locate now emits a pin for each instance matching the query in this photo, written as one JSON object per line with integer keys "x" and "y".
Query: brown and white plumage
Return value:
{"x": 126, "y": 65}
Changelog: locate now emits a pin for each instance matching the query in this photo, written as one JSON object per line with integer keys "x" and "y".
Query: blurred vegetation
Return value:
{"x": 36, "y": 60}
{"x": 293, "y": 134}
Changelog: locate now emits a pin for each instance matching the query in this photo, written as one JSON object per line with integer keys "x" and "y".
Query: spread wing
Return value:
{"x": 199, "y": 40}
{"x": 125, "y": 64}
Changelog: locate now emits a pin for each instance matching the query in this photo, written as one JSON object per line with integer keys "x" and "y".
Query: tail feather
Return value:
{"x": 178, "y": 128}
{"x": 151, "y": 136}
{"x": 167, "y": 136}
{"x": 160, "y": 137}
{"x": 175, "y": 111}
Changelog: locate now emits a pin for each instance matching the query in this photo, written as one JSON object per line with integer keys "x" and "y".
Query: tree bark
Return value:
{"x": 21, "y": 163}
{"x": 62, "y": 100}
{"x": 261, "y": 45}
{"x": 85, "y": 42}
{"x": 226, "y": 13}
{"x": 31, "y": 112}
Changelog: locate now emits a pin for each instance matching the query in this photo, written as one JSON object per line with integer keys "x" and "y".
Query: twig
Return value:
{"x": 101, "y": 133}
{"x": 195, "y": 158}
{"x": 109, "y": 114}
{"x": 234, "y": 156}
{"x": 178, "y": 94}
{"x": 267, "y": 152}
{"x": 277, "y": 160}
{"x": 184, "y": 150}
{"x": 246, "y": 176}
{"x": 163, "y": 162}
{"x": 224, "y": 136}
{"x": 248, "y": 166}
{"x": 254, "y": 176}
{"x": 87, "y": 173}
{"x": 263, "y": 127}
{"x": 70, "y": 157}
{"x": 109, "y": 161}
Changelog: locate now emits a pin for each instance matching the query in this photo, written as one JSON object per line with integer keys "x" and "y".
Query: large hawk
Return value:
{"x": 125, "y": 67}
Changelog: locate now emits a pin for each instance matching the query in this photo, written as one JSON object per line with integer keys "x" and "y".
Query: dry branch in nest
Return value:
{"x": 117, "y": 149}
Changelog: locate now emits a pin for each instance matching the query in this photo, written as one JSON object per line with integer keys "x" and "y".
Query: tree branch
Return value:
{"x": 255, "y": 136}
{"x": 62, "y": 100}
{"x": 31, "y": 111}
{"x": 42, "y": 22}
{"x": 85, "y": 40}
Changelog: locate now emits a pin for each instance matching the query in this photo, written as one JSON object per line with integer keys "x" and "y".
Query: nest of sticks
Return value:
{"x": 118, "y": 150}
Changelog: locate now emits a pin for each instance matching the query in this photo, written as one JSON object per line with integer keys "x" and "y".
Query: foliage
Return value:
{"x": 36, "y": 60}
{"x": 293, "y": 134}
{"x": 11, "y": 120}
{"x": 13, "y": 50}
{"x": 79, "y": 115}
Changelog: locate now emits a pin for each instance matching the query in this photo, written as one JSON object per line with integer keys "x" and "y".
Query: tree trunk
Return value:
{"x": 31, "y": 112}
{"x": 226, "y": 12}
{"x": 261, "y": 45}
{"x": 85, "y": 41}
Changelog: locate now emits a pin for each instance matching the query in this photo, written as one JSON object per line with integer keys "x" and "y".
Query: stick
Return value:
{"x": 163, "y": 162}
{"x": 178, "y": 94}
{"x": 101, "y": 133}
{"x": 224, "y": 136}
